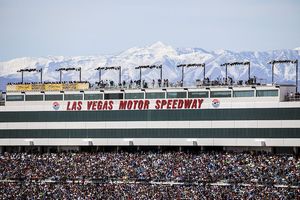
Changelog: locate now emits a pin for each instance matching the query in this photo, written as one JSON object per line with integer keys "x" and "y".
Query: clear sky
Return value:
{"x": 93, "y": 27}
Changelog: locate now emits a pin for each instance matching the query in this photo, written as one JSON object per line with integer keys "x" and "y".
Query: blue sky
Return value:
{"x": 89, "y": 27}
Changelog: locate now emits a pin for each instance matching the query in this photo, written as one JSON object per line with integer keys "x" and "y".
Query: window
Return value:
{"x": 266, "y": 93}
{"x": 155, "y": 95}
{"x": 172, "y": 95}
{"x": 202, "y": 94}
{"x": 73, "y": 97}
{"x": 38, "y": 97}
{"x": 244, "y": 93}
{"x": 52, "y": 97}
{"x": 93, "y": 96}
{"x": 220, "y": 94}
{"x": 14, "y": 97}
{"x": 134, "y": 95}
{"x": 113, "y": 96}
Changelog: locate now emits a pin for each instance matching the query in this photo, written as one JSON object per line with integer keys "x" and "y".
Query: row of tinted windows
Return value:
{"x": 154, "y": 133}
{"x": 153, "y": 115}
{"x": 140, "y": 95}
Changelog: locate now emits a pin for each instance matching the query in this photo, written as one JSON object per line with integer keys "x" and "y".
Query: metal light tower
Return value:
{"x": 68, "y": 69}
{"x": 273, "y": 62}
{"x": 99, "y": 70}
{"x": 246, "y": 63}
{"x": 159, "y": 67}
{"x": 190, "y": 65}
{"x": 110, "y": 68}
{"x": 79, "y": 69}
{"x": 31, "y": 70}
{"x": 149, "y": 67}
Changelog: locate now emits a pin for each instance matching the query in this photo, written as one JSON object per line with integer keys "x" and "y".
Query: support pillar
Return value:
{"x": 296, "y": 75}
{"x": 60, "y": 75}
{"x": 80, "y": 74}
{"x": 120, "y": 77}
{"x": 22, "y": 77}
{"x": 249, "y": 72}
{"x": 41, "y": 75}
{"x": 140, "y": 77}
{"x": 161, "y": 73}
{"x": 203, "y": 72}
{"x": 272, "y": 73}
{"x": 99, "y": 75}
{"x": 182, "y": 76}
{"x": 226, "y": 74}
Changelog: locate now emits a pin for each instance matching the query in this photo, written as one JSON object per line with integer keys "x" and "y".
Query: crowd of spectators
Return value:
{"x": 143, "y": 191}
{"x": 175, "y": 166}
{"x": 165, "y": 175}
{"x": 291, "y": 96}
{"x": 23, "y": 83}
{"x": 131, "y": 84}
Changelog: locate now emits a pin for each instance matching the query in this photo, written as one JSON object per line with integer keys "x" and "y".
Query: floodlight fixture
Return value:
{"x": 245, "y": 63}
{"x": 148, "y": 67}
{"x": 110, "y": 68}
{"x": 31, "y": 70}
{"x": 295, "y": 62}
{"x": 68, "y": 69}
{"x": 190, "y": 65}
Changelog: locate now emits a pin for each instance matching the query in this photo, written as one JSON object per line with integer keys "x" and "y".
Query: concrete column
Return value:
{"x": 202, "y": 148}
{"x": 296, "y": 150}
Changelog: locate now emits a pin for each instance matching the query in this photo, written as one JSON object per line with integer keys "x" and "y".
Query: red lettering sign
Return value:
{"x": 160, "y": 104}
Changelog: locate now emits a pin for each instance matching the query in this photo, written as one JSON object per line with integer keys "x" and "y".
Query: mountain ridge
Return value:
{"x": 156, "y": 53}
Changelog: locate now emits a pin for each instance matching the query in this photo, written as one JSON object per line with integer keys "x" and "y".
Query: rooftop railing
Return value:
{"x": 128, "y": 85}
{"x": 292, "y": 97}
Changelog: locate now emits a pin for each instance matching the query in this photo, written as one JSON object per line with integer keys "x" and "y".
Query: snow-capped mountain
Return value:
{"x": 157, "y": 53}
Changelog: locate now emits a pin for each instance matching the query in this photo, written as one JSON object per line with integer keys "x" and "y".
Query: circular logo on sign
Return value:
{"x": 215, "y": 103}
{"x": 55, "y": 105}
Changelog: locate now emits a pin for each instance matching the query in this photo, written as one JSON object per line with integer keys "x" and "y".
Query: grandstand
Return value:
{"x": 149, "y": 175}
{"x": 219, "y": 139}
{"x": 217, "y": 113}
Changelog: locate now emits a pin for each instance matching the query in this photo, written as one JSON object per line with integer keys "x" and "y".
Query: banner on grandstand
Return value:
{"x": 18, "y": 87}
{"x": 53, "y": 87}
{"x": 159, "y": 104}
{"x": 38, "y": 87}
{"x": 82, "y": 86}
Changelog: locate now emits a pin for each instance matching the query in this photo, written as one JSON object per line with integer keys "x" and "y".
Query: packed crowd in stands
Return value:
{"x": 142, "y": 191}
{"x": 175, "y": 166}
{"x": 142, "y": 175}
